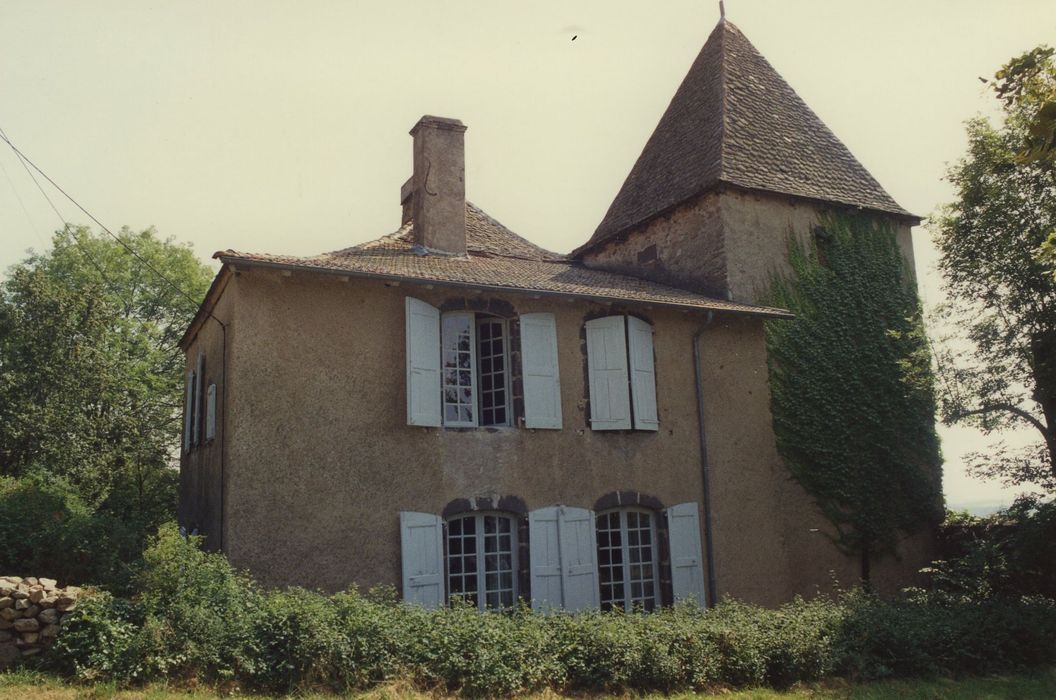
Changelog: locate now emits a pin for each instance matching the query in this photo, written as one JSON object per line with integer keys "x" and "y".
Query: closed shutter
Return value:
{"x": 422, "y": 547}
{"x": 542, "y": 384}
{"x": 687, "y": 567}
{"x": 188, "y": 412}
{"x": 196, "y": 429}
{"x": 643, "y": 373}
{"x": 544, "y": 555}
{"x": 210, "y": 412}
{"x": 423, "y": 363}
{"x": 579, "y": 558}
{"x": 610, "y": 406}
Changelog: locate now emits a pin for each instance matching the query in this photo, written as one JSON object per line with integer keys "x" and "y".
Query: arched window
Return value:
{"x": 482, "y": 559}
{"x": 627, "y": 559}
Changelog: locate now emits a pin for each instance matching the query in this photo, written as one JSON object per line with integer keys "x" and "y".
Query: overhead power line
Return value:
{"x": 99, "y": 223}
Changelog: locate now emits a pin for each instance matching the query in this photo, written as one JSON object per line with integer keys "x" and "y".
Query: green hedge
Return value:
{"x": 195, "y": 618}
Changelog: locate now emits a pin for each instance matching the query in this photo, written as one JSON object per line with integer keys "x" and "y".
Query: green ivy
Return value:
{"x": 852, "y": 389}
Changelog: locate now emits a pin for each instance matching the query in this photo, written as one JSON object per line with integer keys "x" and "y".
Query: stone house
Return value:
{"x": 453, "y": 410}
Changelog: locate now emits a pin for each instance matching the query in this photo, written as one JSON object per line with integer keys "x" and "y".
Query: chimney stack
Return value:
{"x": 435, "y": 196}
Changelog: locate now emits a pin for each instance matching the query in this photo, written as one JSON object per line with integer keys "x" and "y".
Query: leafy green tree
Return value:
{"x": 1002, "y": 373}
{"x": 852, "y": 389}
{"x": 90, "y": 374}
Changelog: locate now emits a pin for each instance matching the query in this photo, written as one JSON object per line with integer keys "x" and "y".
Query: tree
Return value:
{"x": 851, "y": 387}
{"x": 1002, "y": 374}
{"x": 90, "y": 374}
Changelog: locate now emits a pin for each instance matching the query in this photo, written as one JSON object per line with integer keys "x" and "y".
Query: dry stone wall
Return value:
{"x": 30, "y": 612}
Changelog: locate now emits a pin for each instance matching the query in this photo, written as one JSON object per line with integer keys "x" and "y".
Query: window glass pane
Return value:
{"x": 626, "y": 568}
{"x": 491, "y": 366}
{"x": 456, "y": 340}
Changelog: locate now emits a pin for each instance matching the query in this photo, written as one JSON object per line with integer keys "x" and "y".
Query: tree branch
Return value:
{"x": 1007, "y": 407}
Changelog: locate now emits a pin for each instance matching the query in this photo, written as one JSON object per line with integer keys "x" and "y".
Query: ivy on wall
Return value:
{"x": 852, "y": 389}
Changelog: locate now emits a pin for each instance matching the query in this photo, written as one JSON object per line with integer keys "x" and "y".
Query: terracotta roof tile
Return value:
{"x": 735, "y": 120}
{"x": 497, "y": 259}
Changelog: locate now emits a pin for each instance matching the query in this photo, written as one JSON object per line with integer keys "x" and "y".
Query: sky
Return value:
{"x": 281, "y": 127}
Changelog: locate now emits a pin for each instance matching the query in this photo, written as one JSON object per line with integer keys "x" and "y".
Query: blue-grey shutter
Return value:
{"x": 687, "y": 566}
{"x": 579, "y": 558}
{"x": 545, "y": 558}
{"x": 422, "y": 555}
{"x": 610, "y": 406}
{"x": 643, "y": 374}
{"x": 423, "y": 363}
{"x": 542, "y": 384}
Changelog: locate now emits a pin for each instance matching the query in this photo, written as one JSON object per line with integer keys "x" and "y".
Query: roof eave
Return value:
{"x": 902, "y": 215}
{"x": 762, "y": 312}
{"x": 205, "y": 309}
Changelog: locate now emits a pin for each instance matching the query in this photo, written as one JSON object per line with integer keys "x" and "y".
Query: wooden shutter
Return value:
{"x": 196, "y": 429}
{"x": 188, "y": 412}
{"x": 422, "y": 547}
{"x": 687, "y": 566}
{"x": 210, "y": 412}
{"x": 423, "y": 363}
{"x": 544, "y": 556}
{"x": 579, "y": 558}
{"x": 610, "y": 406}
{"x": 643, "y": 373}
{"x": 542, "y": 384}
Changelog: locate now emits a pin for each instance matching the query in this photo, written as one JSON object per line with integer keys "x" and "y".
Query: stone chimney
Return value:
{"x": 435, "y": 196}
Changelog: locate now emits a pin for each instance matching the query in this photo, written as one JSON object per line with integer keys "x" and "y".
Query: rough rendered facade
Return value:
{"x": 452, "y": 410}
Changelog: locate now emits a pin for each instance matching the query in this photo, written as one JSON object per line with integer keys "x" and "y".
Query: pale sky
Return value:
{"x": 281, "y": 127}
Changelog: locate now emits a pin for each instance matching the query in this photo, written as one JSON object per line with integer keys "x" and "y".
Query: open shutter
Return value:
{"x": 579, "y": 558}
{"x": 210, "y": 412}
{"x": 687, "y": 567}
{"x": 643, "y": 373}
{"x": 188, "y": 412}
{"x": 422, "y": 546}
{"x": 196, "y": 429}
{"x": 542, "y": 385}
{"x": 544, "y": 555}
{"x": 423, "y": 363}
{"x": 610, "y": 406}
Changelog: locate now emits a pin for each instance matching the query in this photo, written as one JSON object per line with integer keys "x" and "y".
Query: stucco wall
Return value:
{"x": 323, "y": 460}
{"x": 201, "y": 471}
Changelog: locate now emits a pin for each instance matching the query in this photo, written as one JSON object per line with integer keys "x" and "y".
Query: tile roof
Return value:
{"x": 735, "y": 120}
{"x": 498, "y": 259}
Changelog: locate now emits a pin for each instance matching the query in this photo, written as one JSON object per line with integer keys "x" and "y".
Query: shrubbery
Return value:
{"x": 195, "y": 618}
{"x": 48, "y": 530}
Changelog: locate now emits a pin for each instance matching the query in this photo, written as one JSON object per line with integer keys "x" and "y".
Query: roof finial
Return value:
{"x": 722, "y": 10}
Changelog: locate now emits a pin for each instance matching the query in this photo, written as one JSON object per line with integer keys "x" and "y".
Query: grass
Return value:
{"x": 30, "y": 685}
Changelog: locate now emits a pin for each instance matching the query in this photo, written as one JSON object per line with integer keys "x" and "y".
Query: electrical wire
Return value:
{"x": 101, "y": 225}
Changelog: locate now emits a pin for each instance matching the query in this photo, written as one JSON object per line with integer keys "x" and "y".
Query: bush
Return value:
{"x": 197, "y": 619}
{"x": 47, "y": 530}
{"x": 1012, "y": 552}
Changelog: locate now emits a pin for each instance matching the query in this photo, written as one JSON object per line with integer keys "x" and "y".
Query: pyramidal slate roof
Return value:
{"x": 735, "y": 120}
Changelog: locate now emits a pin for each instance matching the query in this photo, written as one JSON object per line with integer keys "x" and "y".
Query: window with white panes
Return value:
{"x": 475, "y": 359}
{"x": 493, "y": 364}
{"x": 627, "y": 559}
{"x": 482, "y": 560}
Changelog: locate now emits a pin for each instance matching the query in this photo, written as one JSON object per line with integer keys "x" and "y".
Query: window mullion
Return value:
{"x": 626, "y": 561}
{"x": 482, "y": 574}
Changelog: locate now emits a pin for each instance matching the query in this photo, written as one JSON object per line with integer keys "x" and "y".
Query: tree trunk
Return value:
{"x": 1043, "y": 356}
{"x": 866, "y": 572}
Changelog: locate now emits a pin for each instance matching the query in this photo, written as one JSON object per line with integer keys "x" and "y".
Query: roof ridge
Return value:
{"x": 724, "y": 121}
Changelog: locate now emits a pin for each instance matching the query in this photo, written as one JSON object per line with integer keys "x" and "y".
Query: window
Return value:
{"x": 482, "y": 560}
{"x": 627, "y": 559}
{"x": 475, "y": 360}
{"x": 621, "y": 374}
{"x": 458, "y": 369}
